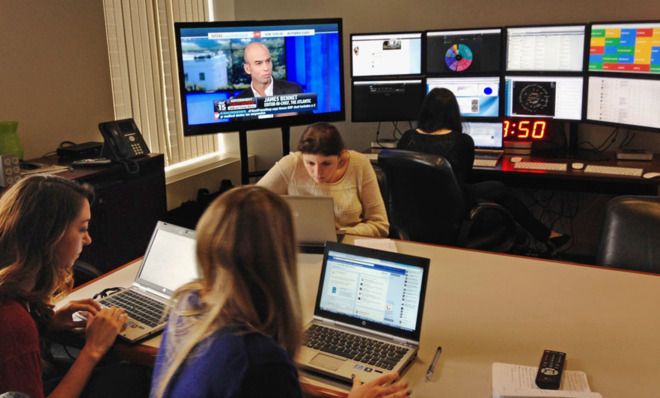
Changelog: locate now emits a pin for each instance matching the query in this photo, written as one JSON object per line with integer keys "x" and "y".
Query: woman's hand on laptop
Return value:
{"x": 386, "y": 386}
{"x": 63, "y": 319}
{"x": 102, "y": 330}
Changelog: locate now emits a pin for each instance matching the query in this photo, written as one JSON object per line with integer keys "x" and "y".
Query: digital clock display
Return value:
{"x": 525, "y": 129}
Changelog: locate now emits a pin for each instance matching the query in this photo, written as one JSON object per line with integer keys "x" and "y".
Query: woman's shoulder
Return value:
{"x": 18, "y": 326}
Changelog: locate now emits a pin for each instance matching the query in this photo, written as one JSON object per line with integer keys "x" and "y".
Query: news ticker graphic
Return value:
{"x": 259, "y": 106}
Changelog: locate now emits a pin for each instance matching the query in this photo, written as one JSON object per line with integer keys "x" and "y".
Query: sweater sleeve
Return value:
{"x": 20, "y": 358}
{"x": 277, "y": 179}
{"x": 374, "y": 218}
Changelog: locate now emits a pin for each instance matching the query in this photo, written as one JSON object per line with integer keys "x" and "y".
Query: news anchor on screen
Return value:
{"x": 258, "y": 63}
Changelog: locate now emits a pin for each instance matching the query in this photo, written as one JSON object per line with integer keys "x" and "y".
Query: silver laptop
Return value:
{"x": 169, "y": 263}
{"x": 313, "y": 221}
{"x": 488, "y": 142}
{"x": 368, "y": 313}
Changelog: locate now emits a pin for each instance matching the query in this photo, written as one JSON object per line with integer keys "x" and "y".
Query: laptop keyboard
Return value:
{"x": 138, "y": 306}
{"x": 355, "y": 347}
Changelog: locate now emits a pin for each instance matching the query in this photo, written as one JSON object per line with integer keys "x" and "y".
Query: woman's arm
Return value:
{"x": 277, "y": 178}
{"x": 374, "y": 219}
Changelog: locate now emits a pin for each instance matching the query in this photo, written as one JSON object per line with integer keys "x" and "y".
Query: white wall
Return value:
{"x": 54, "y": 74}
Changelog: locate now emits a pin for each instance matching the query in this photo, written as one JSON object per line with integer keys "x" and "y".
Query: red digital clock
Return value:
{"x": 525, "y": 129}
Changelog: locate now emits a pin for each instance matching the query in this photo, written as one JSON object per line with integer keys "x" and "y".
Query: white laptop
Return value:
{"x": 370, "y": 303}
{"x": 488, "y": 142}
{"x": 169, "y": 263}
{"x": 313, "y": 221}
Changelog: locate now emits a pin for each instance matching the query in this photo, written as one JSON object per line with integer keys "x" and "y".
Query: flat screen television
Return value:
{"x": 247, "y": 75}
{"x": 557, "y": 48}
{"x": 463, "y": 52}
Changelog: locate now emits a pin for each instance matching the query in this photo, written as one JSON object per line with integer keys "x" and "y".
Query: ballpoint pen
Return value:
{"x": 431, "y": 369}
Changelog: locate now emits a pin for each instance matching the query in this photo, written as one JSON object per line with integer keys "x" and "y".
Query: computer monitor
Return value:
{"x": 386, "y": 100}
{"x": 545, "y": 48}
{"x": 631, "y": 102}
{"x": 485, "y": 135}
{"x": 477, "y": 97}
{"x": 301, "y": 58}
{"x": 625, "y": 47}
{"x": 386, "y": 54}
{"x": 556, "y": 97}
{"x": 463, "y": 52}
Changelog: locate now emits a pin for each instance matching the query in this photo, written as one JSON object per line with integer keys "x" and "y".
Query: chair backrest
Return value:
{"x": 631, "y": 234}
{"x": 425, "y": 201}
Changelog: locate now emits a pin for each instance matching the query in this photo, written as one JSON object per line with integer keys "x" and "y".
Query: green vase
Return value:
{"x": 9, "y": 142}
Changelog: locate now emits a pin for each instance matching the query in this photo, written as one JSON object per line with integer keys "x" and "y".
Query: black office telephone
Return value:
{"x": 122, "y": 140}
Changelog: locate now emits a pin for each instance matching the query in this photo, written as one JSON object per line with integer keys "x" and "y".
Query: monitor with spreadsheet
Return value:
{"x": 545, "y": 48}
{"x": 477, "y": 97}
{"x": 463, "y": 52}
{"x": 386, "y": 54}
{"x": 626, "y": 101}
{"x": 625, "y": 47}
{"x": 555, "y": 97}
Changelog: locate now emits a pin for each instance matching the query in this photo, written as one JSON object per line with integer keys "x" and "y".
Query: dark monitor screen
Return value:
{"x": 555, "y": 97}
{"x": 463, "y": 52}
{"x": 386, "y": 100}
{"x": 625, "y": 47}
{"x": 294, "y": 74}
{"x": 386, "y": 54}
{"x": 477, "y": 96}
{"x": 545, "y": 48}
{"x": 624, "y": 101}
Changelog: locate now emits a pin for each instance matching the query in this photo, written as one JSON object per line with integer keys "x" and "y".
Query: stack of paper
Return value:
{"x": 518, "y": 381}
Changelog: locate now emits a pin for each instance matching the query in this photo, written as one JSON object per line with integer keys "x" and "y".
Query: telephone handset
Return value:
{"x": 123, "y": 140}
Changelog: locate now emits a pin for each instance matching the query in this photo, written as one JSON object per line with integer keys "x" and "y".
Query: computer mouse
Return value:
{"x": 577, "y": 166}
{"x": 651, "y": 174}
{"x": 516, "y": 159}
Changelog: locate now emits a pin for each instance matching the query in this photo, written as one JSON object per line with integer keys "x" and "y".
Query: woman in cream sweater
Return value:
{"x": 322, "y": 166}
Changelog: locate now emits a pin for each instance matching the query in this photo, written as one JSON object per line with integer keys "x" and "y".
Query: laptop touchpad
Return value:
{"x": 326, "y": 361}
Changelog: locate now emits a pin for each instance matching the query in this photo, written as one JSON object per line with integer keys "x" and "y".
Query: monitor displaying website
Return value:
{"x": 556, "y": 97}
{"x": 633, "y": 102}
{"x": 376, "y": 290}
{"x": 545, "y": 48}
{"x": 476, "y": 96}
{"x": 485, "y": 135}
{"x": 394, "y": 54}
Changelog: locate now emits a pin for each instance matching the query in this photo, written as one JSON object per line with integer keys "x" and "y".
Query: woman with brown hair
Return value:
{"x": 235, "y": 331}
{"x": 43, "y": 228}
{"x": 323, "y": 166}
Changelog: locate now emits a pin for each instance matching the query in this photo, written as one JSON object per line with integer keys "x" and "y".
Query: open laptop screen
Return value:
{"x": 170, "y": 260}
{"x": 485, "y": 135}
{"x": 373, "y": 289}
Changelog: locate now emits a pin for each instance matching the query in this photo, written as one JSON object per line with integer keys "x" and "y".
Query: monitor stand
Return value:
{"x": 246, "y": 174}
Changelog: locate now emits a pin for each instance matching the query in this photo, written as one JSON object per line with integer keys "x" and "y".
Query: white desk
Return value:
{"x": 484, "y": 308}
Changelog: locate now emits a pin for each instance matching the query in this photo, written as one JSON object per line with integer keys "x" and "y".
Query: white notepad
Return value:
{"x": 518, "y": 381}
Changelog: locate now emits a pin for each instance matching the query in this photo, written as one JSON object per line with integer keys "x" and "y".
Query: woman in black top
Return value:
{"x": 439, "y": 131}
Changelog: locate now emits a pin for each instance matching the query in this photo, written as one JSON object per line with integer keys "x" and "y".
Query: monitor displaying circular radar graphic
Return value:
{"x": 458, "y": 57}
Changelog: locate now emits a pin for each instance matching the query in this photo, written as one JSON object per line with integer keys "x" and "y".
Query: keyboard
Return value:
{"x": 482, "y": 162}
{"x": 138, "y": 306}
{"x": 355, "y": 347}
{"x": 621, "y": 171}
{"x": 540, "y": 166}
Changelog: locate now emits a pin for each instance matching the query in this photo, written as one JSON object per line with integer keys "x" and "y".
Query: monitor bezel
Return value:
{"x": 383, "y": 79}
{"x": 258, "y": 124}
{"x": 583, "y": 105}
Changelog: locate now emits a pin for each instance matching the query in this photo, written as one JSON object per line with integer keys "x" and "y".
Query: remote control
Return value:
{"x": 550, "y": 370}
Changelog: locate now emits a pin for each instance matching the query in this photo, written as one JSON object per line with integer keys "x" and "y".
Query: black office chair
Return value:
{"x": 631, "y": 234}
{"x": 426, "y": 205}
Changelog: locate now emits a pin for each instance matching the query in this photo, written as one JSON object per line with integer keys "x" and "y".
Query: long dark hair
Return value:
{"x": 440, "y": 111}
